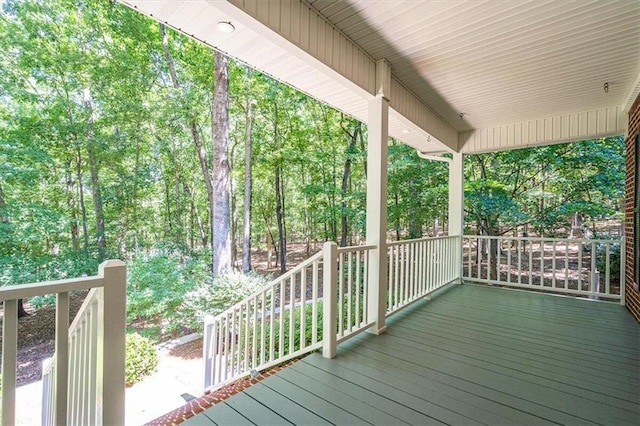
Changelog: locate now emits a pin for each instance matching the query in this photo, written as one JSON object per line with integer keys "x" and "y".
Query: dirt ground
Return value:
{"x": 36, "y": 338}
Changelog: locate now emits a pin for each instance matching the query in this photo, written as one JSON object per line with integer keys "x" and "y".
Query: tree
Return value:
{"x": 221, "y": 183}
{"x": 248, "y": 181}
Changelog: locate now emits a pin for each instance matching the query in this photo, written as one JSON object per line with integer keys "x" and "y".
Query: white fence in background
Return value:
{"x": 285, "y": 319}
{"x": 81, "y": 385}
{"x": 419, "y": 267}
{"x": 583, "y": 267}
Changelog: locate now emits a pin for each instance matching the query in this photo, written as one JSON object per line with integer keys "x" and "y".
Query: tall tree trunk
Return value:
{"x": 307, "y": 220}
{"x": 4, "y": 214}
{"x": 282, "y": 242}
{"x": 221, "y": 219}
{"x": 201, "y": 153}
{"x": 353, "y": 139}
{"x": 71, "y": 205}
{"x": 194, "y": 207}
{"x": 83, "y": 207}
{"x": 177, "y": 196}
{"x": 248, "y": 181}
{"x": 95, "y": 180}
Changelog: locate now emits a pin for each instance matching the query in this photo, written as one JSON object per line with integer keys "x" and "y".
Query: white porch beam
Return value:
{"x": 571, "y": 127}
{"x": 376, "y": 231}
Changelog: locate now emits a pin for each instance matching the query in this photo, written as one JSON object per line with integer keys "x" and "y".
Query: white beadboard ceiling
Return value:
{"x": 534, "y": 69}
{"x": 500, "y": 61}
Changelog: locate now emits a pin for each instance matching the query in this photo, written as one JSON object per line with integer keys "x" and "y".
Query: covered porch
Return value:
{"x": 472, "y": 355}
{"x": 411, "y": 345}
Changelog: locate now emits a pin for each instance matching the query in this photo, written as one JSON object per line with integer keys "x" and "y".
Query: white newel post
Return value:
{"x": 456, "y": 206}
{"x": 329, "y": 298}
{"x": 112, "y": 362}
{"x": 61, "y": 382}
{"x": 377, "y": 145}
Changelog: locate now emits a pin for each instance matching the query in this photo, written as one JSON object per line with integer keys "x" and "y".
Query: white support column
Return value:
{"x": 456, "y": 195}
{"x": 378, "y": 130}
{"x": 329, "y": 299}
{"x": 456, "y": 207}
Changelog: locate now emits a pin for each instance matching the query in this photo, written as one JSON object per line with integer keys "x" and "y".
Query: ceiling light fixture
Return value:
{"x": 406, "y": 131}
{"x": 226, "y": 27}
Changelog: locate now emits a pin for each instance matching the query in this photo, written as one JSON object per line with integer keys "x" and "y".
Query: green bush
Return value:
{"x": 141, "y": 358}
{"x": 211, "y": 297}
{"x": 615, "y": 252}
{"x": 157, "y": 286}
{"x": 308, "y": 331}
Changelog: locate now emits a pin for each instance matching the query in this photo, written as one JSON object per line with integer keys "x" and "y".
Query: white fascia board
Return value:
{"x": 571, "y": 127}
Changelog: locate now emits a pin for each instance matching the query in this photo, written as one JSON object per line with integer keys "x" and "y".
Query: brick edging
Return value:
{"x": 207, "y": 401}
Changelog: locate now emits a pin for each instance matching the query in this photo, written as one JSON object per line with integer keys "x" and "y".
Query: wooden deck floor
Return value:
{"x": 474, "y": 355}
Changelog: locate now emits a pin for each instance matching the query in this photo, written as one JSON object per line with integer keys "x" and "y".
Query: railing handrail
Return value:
{"x": 549, "y": 239}
{"x": 348, "y": 249}
{"x": 417, "y": 240}
{"x": 25, "y": 291}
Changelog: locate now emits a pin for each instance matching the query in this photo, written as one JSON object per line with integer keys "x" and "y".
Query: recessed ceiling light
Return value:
{"x": 406, "y": 131}
{"x": 226, "y": 27}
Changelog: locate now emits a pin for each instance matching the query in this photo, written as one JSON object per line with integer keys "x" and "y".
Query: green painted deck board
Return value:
{"x": 552, "y": 395}
{"x": 254, "y": 411}
{"x": 366, "y": 396}
{"x": 367, "y": 412}
{"x": 327, "y": 413}
{"x": 473, "y": 355}
{"x": 519, "y": 364}
{"x": 292, "y": 410}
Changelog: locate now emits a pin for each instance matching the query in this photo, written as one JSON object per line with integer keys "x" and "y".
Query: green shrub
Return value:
{"x": 308, "y": 331}
{"x": 211, "y": 297}
{"x": 615, "y": 252}
{"x": 157, "y": 286}
{"x": 141, "y": 358}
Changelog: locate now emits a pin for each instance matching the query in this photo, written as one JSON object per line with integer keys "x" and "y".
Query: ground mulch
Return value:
{"x": 207, "y": 401}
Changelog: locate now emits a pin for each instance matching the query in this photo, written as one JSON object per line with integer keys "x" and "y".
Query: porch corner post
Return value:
{"x": 113, "y": 378}
{"x": 456, "y": 206}
{"x": 329, "y": 299}
{"x": 376, "y": 232}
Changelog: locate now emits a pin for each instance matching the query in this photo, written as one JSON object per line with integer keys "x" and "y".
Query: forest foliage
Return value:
{"x": 99, "y": 159}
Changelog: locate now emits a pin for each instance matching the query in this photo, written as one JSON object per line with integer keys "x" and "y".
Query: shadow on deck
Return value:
{"x": 474, "y": 355}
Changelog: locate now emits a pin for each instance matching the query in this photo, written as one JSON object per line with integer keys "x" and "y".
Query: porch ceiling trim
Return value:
{"x": 597, "y": 123}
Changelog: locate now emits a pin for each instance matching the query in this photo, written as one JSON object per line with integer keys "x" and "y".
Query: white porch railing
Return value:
{"x": 80, "y": 385}
{"x": 583, "y": 267}
{"x": 419, "y": 267}
{"x": 291, "y": 316}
